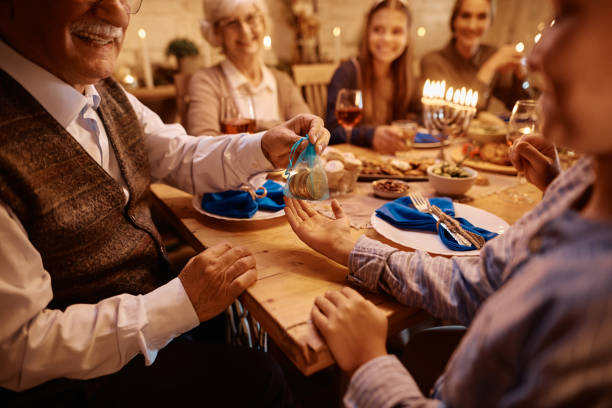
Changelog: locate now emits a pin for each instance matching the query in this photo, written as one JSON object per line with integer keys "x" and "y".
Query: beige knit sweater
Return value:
{"x": 208, "y": 85}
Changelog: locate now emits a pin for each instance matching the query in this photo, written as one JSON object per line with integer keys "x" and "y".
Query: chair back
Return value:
{"x": 181, "y": 83}
{"x": 313, "y": 79}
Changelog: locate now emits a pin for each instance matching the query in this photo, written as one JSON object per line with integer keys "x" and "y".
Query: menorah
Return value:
{"x": 447, "y": 112}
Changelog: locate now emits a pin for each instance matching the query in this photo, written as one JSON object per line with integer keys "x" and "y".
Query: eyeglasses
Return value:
{"x": 132, "y": 6}
{"x": 253, "y": 20}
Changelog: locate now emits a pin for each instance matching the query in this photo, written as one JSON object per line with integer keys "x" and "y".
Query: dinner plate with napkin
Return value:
{"x": 402, "y": 214}
{"x": 241, "y": 204}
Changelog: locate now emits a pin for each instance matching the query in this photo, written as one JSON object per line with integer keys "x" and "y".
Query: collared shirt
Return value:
{"x": 84, "y": 341}
{"x": 264, "y": 95}
{"x": 537, "y": 300}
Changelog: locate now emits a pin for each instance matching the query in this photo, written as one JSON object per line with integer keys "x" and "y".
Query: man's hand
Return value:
{"x": 537, "y": 158}
{"x": 276, "y": 143}
{"x": 388, "y": 140}
{"x": 213, "y": 279}
{"x": 354, "y": 328}
{"x": 331, "y": 238}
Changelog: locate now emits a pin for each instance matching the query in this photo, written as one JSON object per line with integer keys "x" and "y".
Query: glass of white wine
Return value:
{"x": 524, "y": 120}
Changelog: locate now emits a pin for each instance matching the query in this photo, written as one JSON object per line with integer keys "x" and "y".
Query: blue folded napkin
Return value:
{"x": 240, "y": 204}
{"x": 425, "y": 138}
{"x": 402, "y": 214}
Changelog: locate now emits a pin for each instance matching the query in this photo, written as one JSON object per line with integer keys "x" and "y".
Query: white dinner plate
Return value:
{"x": 259, "y": 215}
{"x": 430, "y": 241}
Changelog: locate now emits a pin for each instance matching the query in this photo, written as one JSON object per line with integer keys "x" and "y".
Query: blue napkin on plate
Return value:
{"x": 425, "y": 138}
{"x": 402, "y": 214}
{"x": 240, "y": 204}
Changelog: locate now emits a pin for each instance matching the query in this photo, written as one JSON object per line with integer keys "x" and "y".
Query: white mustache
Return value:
{"x": 97, "y": 28}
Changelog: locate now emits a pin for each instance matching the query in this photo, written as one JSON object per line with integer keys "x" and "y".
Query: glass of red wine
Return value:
{"x": 237, "y": 114}
{"x": 349, "y": 108}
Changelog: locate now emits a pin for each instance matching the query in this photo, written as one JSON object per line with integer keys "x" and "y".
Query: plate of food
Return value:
{"x": 487, "y": 128}
{"x": 430, "y": 241}
{"x": 491, "y": 157}
{"x": 393, "y": 168}
{"x": 389, "y": 188}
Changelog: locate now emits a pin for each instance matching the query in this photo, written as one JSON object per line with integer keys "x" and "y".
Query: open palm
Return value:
{"x": 331, "y": 238}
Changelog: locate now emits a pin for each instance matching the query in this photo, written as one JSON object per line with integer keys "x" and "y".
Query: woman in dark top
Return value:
{"x": 465, "y": 61}
{"x": 383, "y": 73}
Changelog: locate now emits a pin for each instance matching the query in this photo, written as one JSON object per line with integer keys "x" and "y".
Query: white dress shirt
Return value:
{"x": 38, "y": 344}
{"x": 264, "y": 95}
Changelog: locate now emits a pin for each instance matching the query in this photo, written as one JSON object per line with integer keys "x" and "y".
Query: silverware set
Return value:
{"x": 454, "y": 228}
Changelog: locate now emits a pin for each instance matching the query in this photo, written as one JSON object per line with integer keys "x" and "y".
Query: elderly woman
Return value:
{"x": 238, "y": 26}
{"x": 465, "y": 61}
{"x": 383, "y": 73}
{"x": 537, "y": 299}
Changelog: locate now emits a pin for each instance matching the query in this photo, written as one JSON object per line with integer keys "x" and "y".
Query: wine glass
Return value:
{"x": 524, "y": 120}
{"x": 237, "y": 114}
{"x": 349, "y": 108}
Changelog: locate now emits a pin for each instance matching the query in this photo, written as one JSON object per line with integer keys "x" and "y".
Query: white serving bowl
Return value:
{"x": 452, "y": 186}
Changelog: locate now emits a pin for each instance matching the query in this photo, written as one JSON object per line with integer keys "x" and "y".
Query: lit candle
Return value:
{"x": 269, "y": 57}
{"x": 337, "y": 43}
{"x": 474, "y": 99}
{"x": 148, "y": 75}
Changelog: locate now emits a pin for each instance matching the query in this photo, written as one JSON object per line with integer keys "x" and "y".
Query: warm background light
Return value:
{"x": 421, "y": 31}
{"x": 142, "y": 33}
{"x": 267, "y": 42}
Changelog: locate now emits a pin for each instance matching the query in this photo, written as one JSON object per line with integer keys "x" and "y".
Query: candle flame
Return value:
{"x": 267, "y": 42}
{"x": 457, "y": 96}
{"x": 142, "y": 33}
{"x": 336, "y": 32}
{"x": 128, "y": 79}
{"x": 449, "y": 94}
{"x": 520, "y": 47}
{"x": 537, "y": 38}
{"x": 474, "y": 99}
{"x": 462, "y": 96}
{"x": 427, "y": 88}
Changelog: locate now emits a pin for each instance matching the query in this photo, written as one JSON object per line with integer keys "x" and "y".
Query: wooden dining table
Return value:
{"x": 291, "y": 275}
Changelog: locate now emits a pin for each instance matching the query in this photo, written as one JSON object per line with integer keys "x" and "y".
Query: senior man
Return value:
{"x": 84, "y": 286}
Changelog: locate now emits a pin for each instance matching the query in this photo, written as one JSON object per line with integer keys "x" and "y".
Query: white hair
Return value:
{"x": 215, "y": 10}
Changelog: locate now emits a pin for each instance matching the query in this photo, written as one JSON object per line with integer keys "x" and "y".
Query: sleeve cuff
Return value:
{"x": 382, "y": 382}
{"x": 367, "y": 262}
{"x": 253, "y": 159}
{"x": 169, "y": 314}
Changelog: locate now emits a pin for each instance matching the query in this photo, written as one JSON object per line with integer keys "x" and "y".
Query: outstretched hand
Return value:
{"x": 331, "y": 238}
{"x": 354, "y": 328}
{"x": 537, "y": 158}
{"x": 276, "y": 143}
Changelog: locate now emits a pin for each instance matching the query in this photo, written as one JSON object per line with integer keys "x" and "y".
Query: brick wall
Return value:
{"x": 163, "y": 20}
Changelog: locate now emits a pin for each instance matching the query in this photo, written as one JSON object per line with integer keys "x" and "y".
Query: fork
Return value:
{"x": 423, "y": 205}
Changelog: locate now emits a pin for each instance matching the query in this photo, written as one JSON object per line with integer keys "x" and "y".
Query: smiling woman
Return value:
{"x": 466, "y": 62}
{"x": 383, "y": 73}
{"x": 238, "y": 27}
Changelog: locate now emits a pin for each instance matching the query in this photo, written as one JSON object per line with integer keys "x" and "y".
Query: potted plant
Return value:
{"x": 186, "y": 53}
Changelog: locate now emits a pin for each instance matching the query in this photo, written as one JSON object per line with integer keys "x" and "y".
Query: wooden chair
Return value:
{"x": 313, "y": 80}
{"x": 181, "y": 83}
